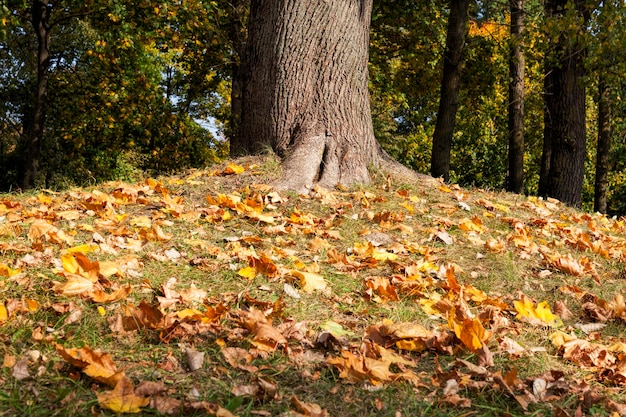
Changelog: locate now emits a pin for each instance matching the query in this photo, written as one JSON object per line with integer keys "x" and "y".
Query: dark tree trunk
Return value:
{"x": 40, "y": 19}
{"x": 566, "y": 107}
{"x": 41, "y": 23}
{"x": 604, "y": 147}
{"x": 238, "y": 37}
{"x": 546, "y": 154}
{"x": 450, "y": 85}
{"x": 515, "y": 181}
{"x": 306, "y": 91}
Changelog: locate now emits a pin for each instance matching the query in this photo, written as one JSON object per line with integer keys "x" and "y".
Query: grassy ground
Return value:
{"x": 209, "y": 293}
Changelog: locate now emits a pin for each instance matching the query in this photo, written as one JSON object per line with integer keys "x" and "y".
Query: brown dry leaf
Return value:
{"x": 123, "y": 398}
{"x": 195, "y": 359}
{"x": 587, "y": 354}
{"x": 20, "y": 369}
{"x": 267, "y": 338}
{"x": 308, "y": 409}
{"x": 511, "y": 347}
{"x": 358, "y": 368}
{"x": 150, "y": 388}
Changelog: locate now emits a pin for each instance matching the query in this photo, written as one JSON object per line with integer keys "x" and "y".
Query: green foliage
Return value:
{"x": 109, "y": 105}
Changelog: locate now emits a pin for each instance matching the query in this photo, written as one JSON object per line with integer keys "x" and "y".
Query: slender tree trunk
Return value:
{"x": 566, "y": 107}
{"x": 546, "y": 154}
{"x": 604, "y": 147}
{"x": 450, "y": 85}
{"x": 238, "y": 37}
{"x": 516, "y": 100}
{"x": 41, "y": 23}
{"x": 306, "y": 91}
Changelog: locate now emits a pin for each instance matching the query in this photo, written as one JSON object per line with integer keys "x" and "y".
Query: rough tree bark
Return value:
{"x": 604, "y": 147}
{"x": 450, "y": 85}
{"x": 562, "y": 176}
{"x": 238, "y": 37}
{"x": 306, "y": 94}
{"x": 515, "y": 181}
{"x": 40, "y": 19}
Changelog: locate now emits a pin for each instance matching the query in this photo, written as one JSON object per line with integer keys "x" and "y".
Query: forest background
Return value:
{"x": 132, "y": 88}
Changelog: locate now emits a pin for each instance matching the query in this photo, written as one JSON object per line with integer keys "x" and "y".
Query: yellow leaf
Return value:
{"x": 189, "y": 313}
{"x": 141, "y": 221}
{"x": 559, "y": 338}
{"x": 101, "y": 311}
{"x": 4, "y": 314}
{"x": 233, "y": 169}
{"x": 540, "y": 315}
{"x": 248, "y": 272}
{"x": 122, "y": 399}
{"x": 5, "y": 271}
{"x": 85, "y": 248}
{"x": 69, "y": 263}
{"x": 381, "y": 255}
{"x": 310, "y": 281}
{"x": 108, "y": 268}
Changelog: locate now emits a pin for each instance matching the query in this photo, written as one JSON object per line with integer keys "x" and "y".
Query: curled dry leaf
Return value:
{"x": 308, "y": 409}
{"x": 195, "y": 359}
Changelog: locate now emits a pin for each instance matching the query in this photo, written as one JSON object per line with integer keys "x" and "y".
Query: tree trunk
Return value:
{"x": 546, "y": 154}
{"x": 566, "y": 107}
{"x": 41, "y": 22}
{"x": 450, "y": 85}
{"x": 306, "y": 91}
{"x": 238, "y": 37}
{"x": 515, "y": 181}
{"x": 604, "y": 147}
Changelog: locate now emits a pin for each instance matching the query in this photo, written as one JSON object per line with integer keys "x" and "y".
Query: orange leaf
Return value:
{"x": 100, "y": 296}
{"x": 470, "y": 331}
{"x": 94, "y": 363}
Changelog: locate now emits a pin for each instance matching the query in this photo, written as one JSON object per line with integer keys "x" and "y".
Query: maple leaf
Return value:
{"x": 123, "y": 398}
{"x": 380, "y": 289}
{"x": 94, "y": 363}
{"x": 469, "y": 330}
{"x": 536, "y": 315}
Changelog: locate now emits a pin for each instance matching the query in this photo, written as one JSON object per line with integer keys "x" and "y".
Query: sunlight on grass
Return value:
{"x": 386, "y": 299}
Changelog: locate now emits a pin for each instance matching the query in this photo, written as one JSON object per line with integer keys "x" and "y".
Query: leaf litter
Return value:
{"x": 358, "y": 257}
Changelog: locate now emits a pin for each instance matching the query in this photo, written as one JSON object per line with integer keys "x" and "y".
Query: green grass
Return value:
{"x": 212, "y": 252}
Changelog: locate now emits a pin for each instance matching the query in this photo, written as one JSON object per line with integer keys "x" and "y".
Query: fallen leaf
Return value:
{"x": 123, "y": 398}
{"x": 310, "y": 282}
{"x": 20, "y": 369}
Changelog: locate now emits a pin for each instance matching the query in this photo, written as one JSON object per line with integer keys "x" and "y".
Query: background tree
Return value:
{"x": 450, "y": 84}
{"x": 517, "y": 64}
{"x": 565, "y": 132}
{"x": 306, "y": 92}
